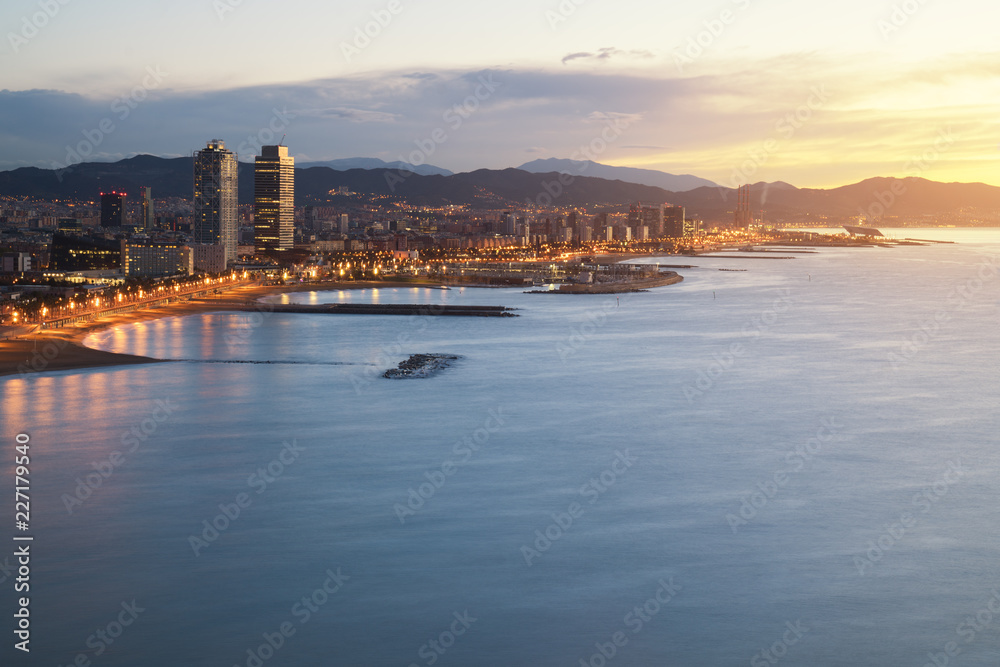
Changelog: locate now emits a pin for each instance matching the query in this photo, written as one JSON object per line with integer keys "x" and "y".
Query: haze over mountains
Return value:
{"x": 657, "y": 179}
{"x": 911, "y": 198}
{"x": 347, "y": 164}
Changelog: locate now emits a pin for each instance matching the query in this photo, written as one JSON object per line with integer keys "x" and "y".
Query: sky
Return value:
{"x": 816, "y": 94}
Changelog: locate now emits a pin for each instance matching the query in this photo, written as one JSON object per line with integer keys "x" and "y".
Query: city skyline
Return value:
{"x": 743, "y": 91}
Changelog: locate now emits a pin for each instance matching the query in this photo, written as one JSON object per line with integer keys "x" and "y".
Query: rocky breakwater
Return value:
{"x": 420, "y": 366}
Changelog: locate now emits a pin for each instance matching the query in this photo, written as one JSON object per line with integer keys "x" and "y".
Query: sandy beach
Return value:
{"x": 63, "y": 349}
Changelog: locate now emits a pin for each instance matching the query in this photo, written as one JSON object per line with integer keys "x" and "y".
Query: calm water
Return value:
{"x": 804, "y": 452}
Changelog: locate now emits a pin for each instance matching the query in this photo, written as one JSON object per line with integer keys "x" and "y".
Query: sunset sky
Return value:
{"x": 873, "y": 88}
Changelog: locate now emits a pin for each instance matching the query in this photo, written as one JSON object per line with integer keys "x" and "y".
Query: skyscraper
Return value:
{"x": 215, "y": 189}
{"x": 673, "y": 221}
{"x": 652, "y": 217}
{"x": 274, "y": 199}
{"x": 148, "y": 214}
{"x": 113, "y": 209}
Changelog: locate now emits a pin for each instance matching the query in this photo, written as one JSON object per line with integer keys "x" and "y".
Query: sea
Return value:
{"x": 789, "y": 458}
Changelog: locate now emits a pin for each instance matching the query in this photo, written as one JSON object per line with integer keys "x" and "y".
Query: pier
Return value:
{"x": 381, "y": 309}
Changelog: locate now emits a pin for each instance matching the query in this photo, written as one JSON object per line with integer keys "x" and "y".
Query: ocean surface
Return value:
{"x": 792, "y": 462}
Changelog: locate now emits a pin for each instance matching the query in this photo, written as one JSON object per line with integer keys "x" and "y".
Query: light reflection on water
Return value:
{"x": 617, "y": 383}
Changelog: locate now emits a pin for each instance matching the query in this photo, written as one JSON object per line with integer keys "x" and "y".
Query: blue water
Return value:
{"x": 800, "y": 458}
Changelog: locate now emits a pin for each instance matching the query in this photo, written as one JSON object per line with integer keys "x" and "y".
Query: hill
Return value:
{"x": 651, "y": 177}
{"x": 883, "y": 199}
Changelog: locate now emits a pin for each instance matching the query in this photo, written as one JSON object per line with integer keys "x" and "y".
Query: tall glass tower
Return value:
{"x": 148, "y": 212}
{"x": 274, "y": 199}
{"x": 215, "y": 197}
{"x": 113, "y": 209}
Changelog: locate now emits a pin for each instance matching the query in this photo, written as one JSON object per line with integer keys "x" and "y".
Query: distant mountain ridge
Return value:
{"x": 651, "y": 177}
{"x": 878, "y": 198}
{"x": 346, "y": 164}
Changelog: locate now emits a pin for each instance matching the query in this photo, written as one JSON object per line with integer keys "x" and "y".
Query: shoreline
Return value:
{"x": 63, "y": 349}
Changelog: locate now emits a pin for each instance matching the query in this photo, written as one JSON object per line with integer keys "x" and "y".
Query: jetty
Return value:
{"x": 381, "y": 309}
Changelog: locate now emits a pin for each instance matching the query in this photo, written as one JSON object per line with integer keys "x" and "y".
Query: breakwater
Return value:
{"x": 384, "y": 309}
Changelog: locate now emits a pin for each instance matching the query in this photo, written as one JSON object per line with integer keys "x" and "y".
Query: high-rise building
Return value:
{"x": 113, "y": 209}
{"x": 215, "y": 193}
{"x": 148, "y": 214}
{"x": 652, "y": 217}
{"x": 274, "y": 199}
{"x": 673, "y": 221}
{"x": 690, "y": 228}
{"x": 343, "y": 224}
{"x": 508, "y": 223}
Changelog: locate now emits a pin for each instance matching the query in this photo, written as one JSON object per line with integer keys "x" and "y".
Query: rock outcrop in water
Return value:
{"x": 420, "y": 366}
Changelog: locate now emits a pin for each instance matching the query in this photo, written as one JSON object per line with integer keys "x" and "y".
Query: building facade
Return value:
{"x": 154, "y": 260}
{"x": 113, "y": 209}
{"x": 215, "y": 197}
{"x": 148, "y": 213}
{"x": 74, "y": 252}
{"x": 673, "y": 221}
{"x": 652, "y": 217}
{"x": 274, "y": 199}
{"x": 209, "y": 258}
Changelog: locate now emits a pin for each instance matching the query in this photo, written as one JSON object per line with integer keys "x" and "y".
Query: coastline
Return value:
{"x": 63, "y": 349}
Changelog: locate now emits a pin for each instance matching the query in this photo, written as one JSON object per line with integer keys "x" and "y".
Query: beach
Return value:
{"x": 62, "y": 349}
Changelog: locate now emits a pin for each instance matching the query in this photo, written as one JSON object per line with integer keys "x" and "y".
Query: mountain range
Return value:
{"x": 909, "y": 198}
{"x": 657, "y": 179}
{"x": 347, "y": 164}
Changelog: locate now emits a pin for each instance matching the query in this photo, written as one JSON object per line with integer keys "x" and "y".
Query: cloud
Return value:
{"x": 360, "y": 115}
{"x": 576, "y": 56}
{"x": 606, "y": 54}
{"x": 602, "y": 116}
{"x": 878, "y": 115}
